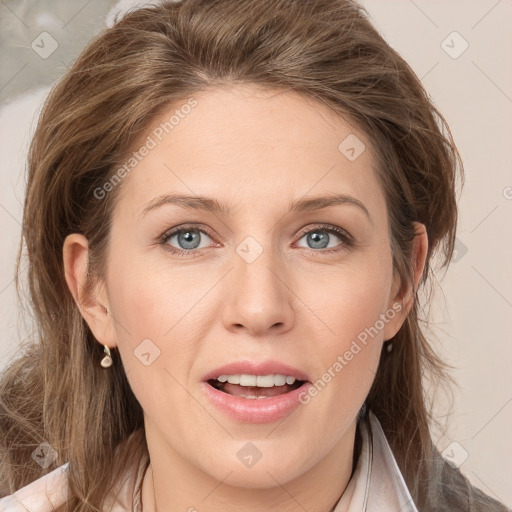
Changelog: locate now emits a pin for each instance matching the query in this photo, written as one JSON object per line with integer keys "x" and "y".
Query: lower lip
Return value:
{"x": 253, "y": 410}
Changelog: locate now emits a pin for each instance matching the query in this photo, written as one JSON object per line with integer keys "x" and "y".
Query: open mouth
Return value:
{"x": 254, "y": 392}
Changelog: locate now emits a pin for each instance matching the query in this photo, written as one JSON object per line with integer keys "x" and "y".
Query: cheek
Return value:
{"x": 352, "y": 298}
{"x": 152, "y": 322}
{"x": 152, "y": 311}
{"x": 151, "y": 300}
{"x": 348, "y": 352}
{"x": 354, "y": 308}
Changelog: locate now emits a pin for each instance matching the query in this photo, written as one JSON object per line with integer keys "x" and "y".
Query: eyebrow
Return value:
{"x": 212, "y": 205}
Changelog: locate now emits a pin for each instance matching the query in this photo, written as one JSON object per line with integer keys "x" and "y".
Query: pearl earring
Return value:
{"x": 107, "y": 360}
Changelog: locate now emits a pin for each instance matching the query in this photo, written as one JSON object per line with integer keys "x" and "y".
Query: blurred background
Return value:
{"x": 462, "y": 52}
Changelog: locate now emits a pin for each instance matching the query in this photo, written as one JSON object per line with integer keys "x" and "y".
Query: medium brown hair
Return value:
{"x": 152, "y": 58}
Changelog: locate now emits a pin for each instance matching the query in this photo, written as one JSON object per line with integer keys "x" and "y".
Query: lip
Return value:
{"x": 248, "y": 410}
{"x": 247, "y": 367}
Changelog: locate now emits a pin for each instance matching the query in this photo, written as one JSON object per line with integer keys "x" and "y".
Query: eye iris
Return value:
{"x": 188, "y": 238}
{"x": 315, "y": 237}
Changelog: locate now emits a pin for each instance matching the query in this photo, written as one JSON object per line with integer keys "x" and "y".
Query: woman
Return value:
{"x": 231, "y": 207}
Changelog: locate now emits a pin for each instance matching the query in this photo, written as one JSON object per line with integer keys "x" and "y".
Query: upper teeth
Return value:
{"x": 262, "y": 381}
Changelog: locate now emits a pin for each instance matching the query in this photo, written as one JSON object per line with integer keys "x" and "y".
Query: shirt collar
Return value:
{"x": 377, "y": 483}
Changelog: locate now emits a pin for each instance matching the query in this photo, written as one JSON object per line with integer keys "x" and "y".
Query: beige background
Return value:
{"x": 470, "y": 320}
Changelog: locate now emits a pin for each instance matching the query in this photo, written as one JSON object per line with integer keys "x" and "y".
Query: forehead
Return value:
{"x": 248, "y": 146}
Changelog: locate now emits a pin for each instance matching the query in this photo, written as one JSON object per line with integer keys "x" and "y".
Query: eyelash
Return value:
{"x": 347, "y": 239}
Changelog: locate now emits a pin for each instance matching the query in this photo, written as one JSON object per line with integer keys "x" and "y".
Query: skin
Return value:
{"x": 255, "y": 151}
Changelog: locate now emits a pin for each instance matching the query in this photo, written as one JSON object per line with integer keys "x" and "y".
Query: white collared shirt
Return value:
{"x": 376, "y": 485}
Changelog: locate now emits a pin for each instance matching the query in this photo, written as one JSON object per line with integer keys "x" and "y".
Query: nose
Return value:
{"x": 260, "y": 298}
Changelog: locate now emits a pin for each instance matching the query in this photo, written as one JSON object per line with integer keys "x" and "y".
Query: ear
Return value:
{"x": 404, "y": 295}
{"x": 89, "y": 295}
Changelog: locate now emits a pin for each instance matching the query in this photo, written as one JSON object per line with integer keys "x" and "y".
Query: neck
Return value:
{"x": 317, "y": 490}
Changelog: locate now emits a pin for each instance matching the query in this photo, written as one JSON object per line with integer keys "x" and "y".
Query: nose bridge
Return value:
{"x": 256, "y": 267}
{"x": 260, "y": 298}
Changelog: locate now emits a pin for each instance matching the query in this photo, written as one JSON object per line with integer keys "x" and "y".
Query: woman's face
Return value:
{"x": 250, "y": 284}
